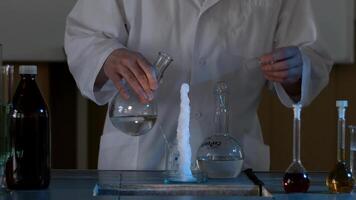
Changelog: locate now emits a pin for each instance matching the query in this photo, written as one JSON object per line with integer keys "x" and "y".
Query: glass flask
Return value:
{"x": 6, "y": 91}
{"x": 296, "y": 178}
{"x": 353, "y": 150}
{"x": 28, "y": 166}
{"x": 340, "y": 179}
{"x": 220, "y": 155}
{"x": 131, "y": 116}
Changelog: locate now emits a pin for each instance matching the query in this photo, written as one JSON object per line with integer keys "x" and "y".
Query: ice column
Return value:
{"x": 183, "y": 134}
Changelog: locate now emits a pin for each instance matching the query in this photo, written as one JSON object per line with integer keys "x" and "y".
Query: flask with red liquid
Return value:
{"x": 296, "y": 178}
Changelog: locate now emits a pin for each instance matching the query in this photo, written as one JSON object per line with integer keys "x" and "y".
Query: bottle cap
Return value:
{"x": 342, "y": 103}
{"x": 28, "y": 69}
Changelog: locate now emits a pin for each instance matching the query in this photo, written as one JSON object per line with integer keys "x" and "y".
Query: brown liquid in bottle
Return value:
{"x": 28, "y": 166}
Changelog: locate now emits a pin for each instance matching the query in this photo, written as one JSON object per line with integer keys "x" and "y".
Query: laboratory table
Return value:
{"x": 83, "y": 184}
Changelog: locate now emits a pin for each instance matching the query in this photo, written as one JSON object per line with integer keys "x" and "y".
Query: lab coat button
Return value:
{"x": 202, "y": 62}
{"x": 197, "y": 115}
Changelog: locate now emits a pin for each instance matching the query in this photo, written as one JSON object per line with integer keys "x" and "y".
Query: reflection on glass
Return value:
{"x": 6, "y": 86}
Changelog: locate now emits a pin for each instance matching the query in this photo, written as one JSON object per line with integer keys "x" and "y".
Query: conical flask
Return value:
{"x": 296, "y": 178}
{"x": 340, "y": 179}
{"x": 133, "y": 117}
{"x": 220, "y": 155}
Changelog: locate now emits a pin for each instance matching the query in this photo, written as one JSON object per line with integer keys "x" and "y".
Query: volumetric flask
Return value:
{"x": 220, "y": 155}
{"x": 296, "y": 178}
{"x": 340, "y": 179}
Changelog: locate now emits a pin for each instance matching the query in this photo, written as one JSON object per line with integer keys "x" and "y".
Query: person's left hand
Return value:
{"x": 283, "y": 65}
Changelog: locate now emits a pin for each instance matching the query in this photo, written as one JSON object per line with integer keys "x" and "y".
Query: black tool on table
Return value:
{"x": 252, "y": 176}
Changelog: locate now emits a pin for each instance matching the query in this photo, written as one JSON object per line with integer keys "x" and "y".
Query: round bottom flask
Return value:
{"x": 340, "y": 179}
{"x": 296, "y": 179}
{"x": 131, "y": 116}
{"x": 220, "y": 156}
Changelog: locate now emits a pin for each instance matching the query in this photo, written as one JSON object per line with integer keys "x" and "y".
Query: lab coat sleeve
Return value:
{"x": 94, "y": 29}
{"x": 296, "y": 27}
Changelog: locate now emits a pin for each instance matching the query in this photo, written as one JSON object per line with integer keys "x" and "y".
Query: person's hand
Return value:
{"x": 123, "y": 64}
{"x": 284, "y": 65}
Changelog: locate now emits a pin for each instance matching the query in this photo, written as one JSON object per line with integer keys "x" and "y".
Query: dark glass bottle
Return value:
{"x": 28, "y": 166}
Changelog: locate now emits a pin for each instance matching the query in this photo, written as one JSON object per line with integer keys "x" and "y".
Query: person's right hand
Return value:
{"x": 123, "y": 64}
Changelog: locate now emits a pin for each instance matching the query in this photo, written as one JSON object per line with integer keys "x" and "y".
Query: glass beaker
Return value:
{"x": 179, "y": 160}
{"x": 296, "y": 178}
{"x": 352, "y": 131}
{"x": 172, "y": 156}
{"x": 6, "y": 91}
{"x": 133, "y": 117}
{"x": 172, "y": 173}
{"x": 340, "y": 179}
{"x": 220, "y": 155}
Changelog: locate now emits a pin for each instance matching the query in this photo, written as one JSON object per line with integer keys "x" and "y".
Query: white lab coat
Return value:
{"x": 209, "y": 41}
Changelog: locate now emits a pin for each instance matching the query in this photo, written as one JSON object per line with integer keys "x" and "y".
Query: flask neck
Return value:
{"x": 221, "y": 109}
{"x": 162, "y": 63}
{"x": 341, "y": 107}
{"x": 297, "y": 108}
{"x": 341, "y": 139}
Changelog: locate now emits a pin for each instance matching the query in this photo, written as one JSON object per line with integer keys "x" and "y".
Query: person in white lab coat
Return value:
{"x": 211, "y": 40}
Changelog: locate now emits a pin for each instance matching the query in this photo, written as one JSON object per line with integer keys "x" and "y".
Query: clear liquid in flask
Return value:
{"x": 221, "y": 168}
{"x": 134, "y": 125}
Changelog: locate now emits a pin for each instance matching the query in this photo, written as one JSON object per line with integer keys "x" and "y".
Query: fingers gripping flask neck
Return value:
{"x": 133, "y": 117}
